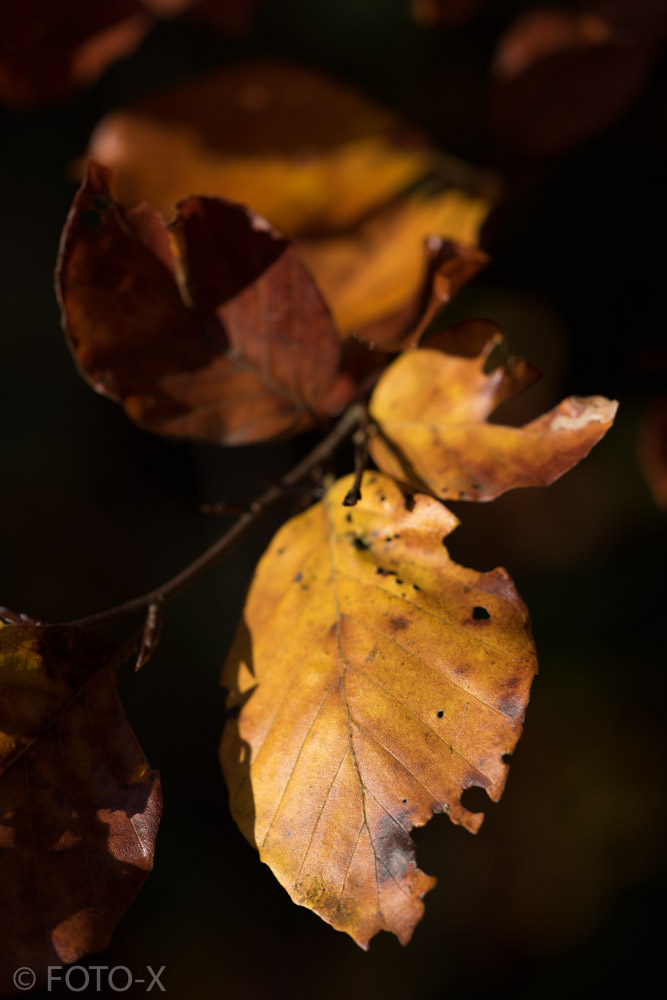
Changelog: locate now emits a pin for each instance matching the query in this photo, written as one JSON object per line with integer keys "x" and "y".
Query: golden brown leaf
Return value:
{"x": 432, "y": 407}
{"x": 309, "y": 154}
{"x": 80, "y": 806}
{"x": 211, "y": 328}
{"x": 328, "y": 167}
{"x": 376, "y": 680}
{"x": 386, "y": 281}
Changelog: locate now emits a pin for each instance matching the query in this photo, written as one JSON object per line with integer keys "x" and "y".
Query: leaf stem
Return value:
{"x": 352, "y": 417}
{"x": 353, "y": 495}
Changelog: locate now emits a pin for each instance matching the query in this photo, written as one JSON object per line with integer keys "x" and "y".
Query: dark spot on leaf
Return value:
{"x": 91, "y": 219}
{"x": 360, "y": 544}
{"x": 409, "y": 501}
{"x": 395, "y": 850}
{"x": 416, "y": 587}
{"x": 511, "y": 707}
{"x": 399, "y": 582}
{"x": 298, "y": 578}
{"x": 399, "y": 622}
{"x": 440, "y": 713}
{"x": 405, "y": 800}
{"x": 479, "y": 613}
{"x": 280, "y": 552}
{"x": 348, "y": 518}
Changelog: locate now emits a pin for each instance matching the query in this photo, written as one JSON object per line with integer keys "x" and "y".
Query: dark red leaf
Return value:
{"x": 210, "y": 328}
{"x": 80, "y": 806}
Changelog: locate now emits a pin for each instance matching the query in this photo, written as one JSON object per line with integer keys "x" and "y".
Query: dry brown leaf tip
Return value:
{"x": 373, "y": 680}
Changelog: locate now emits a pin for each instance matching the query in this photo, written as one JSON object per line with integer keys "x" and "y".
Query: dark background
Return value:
{"x": 564, "y": 884}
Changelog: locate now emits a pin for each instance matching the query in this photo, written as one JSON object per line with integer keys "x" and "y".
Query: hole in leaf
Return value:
{"x": 478, "y": 613}
{"x": 497, "y": 358}
{"x": 475, "y": 799}
{"x": 440, "y": 713}
{"x": 360, "y": 544}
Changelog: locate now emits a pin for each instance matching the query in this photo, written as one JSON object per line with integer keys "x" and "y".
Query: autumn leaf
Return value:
{"x": 562, "y": 75}
{"x": 431, "y": 408}
{"x": 209, "y": 328}
{"x": 326, "y": 166}
{"x": 80, "y": 805}
{"x": 308, "y": 153}
{"x": 386, "y": 281}
{"x": 372, "y": 680}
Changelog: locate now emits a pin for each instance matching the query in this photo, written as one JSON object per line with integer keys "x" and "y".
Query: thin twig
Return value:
{"x": 353, "y": 495}
{"x": 167, "y": 591}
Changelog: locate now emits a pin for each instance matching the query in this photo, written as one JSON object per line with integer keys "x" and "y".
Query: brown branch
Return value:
{"x": 167, "y": 591}
{"x": 353, "y": 495}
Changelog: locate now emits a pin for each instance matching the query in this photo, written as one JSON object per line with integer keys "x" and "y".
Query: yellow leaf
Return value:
{"x": 376, "y": 680}
{"x": 380, "y": 267}
{"x": 308, "y": 153}
{"x": 431, "y": 408}
{"x": 325, "y": 165}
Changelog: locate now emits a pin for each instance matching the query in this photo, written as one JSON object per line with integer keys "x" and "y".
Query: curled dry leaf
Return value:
{"x": 209, "y": 328}
{"x": 374, "y": 680}
{"x": 563, "y": 75}
{"x": 388, "y": 280}
{"x": 325, "y": 165}
{"x": 80, "y": 805}
{"x": 431, "y": 408}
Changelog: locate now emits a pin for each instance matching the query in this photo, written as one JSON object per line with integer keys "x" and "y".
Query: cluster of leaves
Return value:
{"x": 372, "y": 679}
